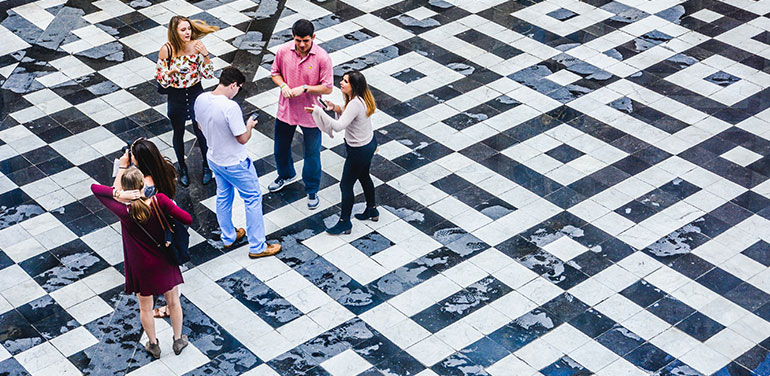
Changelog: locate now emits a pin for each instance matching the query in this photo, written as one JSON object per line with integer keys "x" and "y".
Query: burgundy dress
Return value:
{"x": 147, "y": 268}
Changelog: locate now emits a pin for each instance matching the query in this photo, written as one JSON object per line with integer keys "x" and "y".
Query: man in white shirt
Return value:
{"x": 221, "y": 121}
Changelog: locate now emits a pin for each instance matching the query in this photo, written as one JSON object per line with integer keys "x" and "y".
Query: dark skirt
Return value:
{"x": 181, "y": 102}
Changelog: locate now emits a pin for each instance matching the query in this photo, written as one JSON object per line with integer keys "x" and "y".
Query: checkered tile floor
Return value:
{"x": 566, "y": 188}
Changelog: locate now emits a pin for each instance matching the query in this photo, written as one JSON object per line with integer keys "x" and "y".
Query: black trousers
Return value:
{"x": 356, "y": 167}
{"x": 181, "y": 103}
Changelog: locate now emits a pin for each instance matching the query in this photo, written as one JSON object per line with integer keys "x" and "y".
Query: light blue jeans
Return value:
{"x": 243, "y": 177}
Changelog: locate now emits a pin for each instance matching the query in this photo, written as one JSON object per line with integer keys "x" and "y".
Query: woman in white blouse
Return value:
{"x": 360, "y": 144}
{"x": 182, "y": 62}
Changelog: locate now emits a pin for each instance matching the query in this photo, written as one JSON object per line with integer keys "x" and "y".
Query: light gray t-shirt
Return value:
{"x": 221, "y": 120}
{"x": 357, "y": 126}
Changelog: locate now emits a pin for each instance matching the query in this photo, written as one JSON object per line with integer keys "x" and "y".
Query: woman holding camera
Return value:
{"x": 159, "y": 174}
{"x": 360, "y": 145}
{"x": 182, "y": 62}
{"x": 147, "y": 268}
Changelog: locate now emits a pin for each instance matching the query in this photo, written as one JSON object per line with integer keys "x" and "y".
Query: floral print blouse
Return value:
{"x": 196, "y": 70}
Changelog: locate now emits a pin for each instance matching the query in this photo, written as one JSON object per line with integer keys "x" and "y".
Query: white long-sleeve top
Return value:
{"x": 357, "y": 126}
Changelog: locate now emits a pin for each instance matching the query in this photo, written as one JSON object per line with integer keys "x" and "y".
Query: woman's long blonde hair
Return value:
{"x": 199, "y": 30}
{"x": 134, "y": 179}
{"x": 359, "y": 88}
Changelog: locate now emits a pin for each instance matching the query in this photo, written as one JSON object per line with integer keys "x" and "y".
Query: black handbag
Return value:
{"x": 164, "y": 90}
{"x": 176, "y": 238}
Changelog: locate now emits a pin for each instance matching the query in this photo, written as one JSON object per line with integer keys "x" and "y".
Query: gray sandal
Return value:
{"x": 153, "y": 348}
{"x": 179, "y": 344}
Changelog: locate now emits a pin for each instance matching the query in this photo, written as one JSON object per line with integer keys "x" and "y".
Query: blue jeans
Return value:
{"x": 311, "y": 168}
{"x": 242, "y": 176}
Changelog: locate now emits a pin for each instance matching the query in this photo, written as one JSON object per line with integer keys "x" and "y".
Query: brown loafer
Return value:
{"x": 239, "y": 234}
{"x": 271, "y": 250}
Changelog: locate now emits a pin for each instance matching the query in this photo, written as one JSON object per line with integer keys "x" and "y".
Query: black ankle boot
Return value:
{"x": 183, "y": 178}
{"x": 207, "y": 175}
{"x": 342, "y": 227}
{"x": 369, "y": 213}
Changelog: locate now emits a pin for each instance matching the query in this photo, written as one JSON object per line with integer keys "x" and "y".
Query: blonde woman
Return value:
{"x": 147, "y": 267}
{"x": 360, "y": 144}
{"x": 182, "y": 62}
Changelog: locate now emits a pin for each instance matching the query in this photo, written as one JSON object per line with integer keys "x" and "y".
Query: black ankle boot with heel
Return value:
{"x": 207, "y": 175}
{"x": 342, "y": 227}
{"x": 183, "y": 178}
{"x": 369, "y": 213}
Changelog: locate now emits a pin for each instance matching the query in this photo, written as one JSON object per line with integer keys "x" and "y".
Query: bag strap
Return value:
{"x": 170, "y": 52}
{"x": 146, "y": 232}
{"x": 154, "y": 208}
{"x": 161, "y": 217}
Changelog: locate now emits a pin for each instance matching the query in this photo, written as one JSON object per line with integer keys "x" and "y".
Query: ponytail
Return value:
{"x": 139, "y": 210}
{"x": 134, "y": 179}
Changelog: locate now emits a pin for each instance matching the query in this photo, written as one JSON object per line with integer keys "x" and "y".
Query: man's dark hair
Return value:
{"x": 302, "y": 28}
{"x": 230, "y": 75}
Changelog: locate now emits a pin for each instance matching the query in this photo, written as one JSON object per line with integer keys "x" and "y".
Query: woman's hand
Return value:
{"x": 201, "y": 48}
{"x": 124, "y": 162}
{"x": 129, "y": 195}
{"x": 309, "y": 110}
{"x": 329, "y": 105}
{"x": 173, "y": 72}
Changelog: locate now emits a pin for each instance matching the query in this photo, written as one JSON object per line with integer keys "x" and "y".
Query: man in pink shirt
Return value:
{"x": 303, "y": 71}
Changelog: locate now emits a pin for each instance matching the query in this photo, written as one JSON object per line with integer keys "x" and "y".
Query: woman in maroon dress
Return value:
{"x": 147, "y": 267}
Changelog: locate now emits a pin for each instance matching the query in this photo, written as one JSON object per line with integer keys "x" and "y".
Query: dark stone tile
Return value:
{"x": 670, "y": 310}
{"x": 719, "y": 281}
{"x": 642, "y": 293}
{"x": 11, "y": 367}
{"x": 524, "y": 329}
{"x": 620, "y": 340}
{"x": 566, "y": 306}
{"x": 17, "y": 334}
{"x": 372, "y": 243}
{"x": 700, "y": 326}
{"x": 460, "y": 365}
{"x": 649, "y": 357}
{"x": 259, "y": 298}
{"x": 592, "y": 323}
{"x": 759, "y": 252}
{"x": 484, "y": 352}
{"x": 565, "y": 366}
{"x": 733, "y": 369}
{"x": 748, "y": 296}
{"x": 757, "y": 360}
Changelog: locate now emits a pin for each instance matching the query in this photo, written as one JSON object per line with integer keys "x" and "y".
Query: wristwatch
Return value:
{"x": 304, "y": 88}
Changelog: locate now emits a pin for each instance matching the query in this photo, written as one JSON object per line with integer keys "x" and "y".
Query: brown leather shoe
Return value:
{"x": 271, "y": 250}
{"x": 239, "y": 234}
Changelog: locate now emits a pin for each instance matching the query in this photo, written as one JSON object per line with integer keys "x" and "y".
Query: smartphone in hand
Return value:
{"x": 254, "y": 116}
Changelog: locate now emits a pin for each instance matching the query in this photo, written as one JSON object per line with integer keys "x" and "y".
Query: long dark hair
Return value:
{"x": 151, "y": 163}
{"x": 359, "y": 88}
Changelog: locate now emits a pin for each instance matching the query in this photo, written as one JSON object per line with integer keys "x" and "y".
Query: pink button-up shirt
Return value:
{"x": 314, "y": 69}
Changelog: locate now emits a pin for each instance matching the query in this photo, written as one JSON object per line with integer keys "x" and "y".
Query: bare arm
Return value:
{"x": 246, "y": 136}
{"x": 278, "y": 80}
{"x": 123, "y": 165}
{"x": 319, "y": 90}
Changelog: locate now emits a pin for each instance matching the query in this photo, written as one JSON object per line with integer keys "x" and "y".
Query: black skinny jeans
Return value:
{"x": 357, "y": 168}
{"x": 181, "y": 103}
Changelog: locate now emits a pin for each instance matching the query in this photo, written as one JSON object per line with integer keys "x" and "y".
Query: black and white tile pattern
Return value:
{"x": 566, "y": 188}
